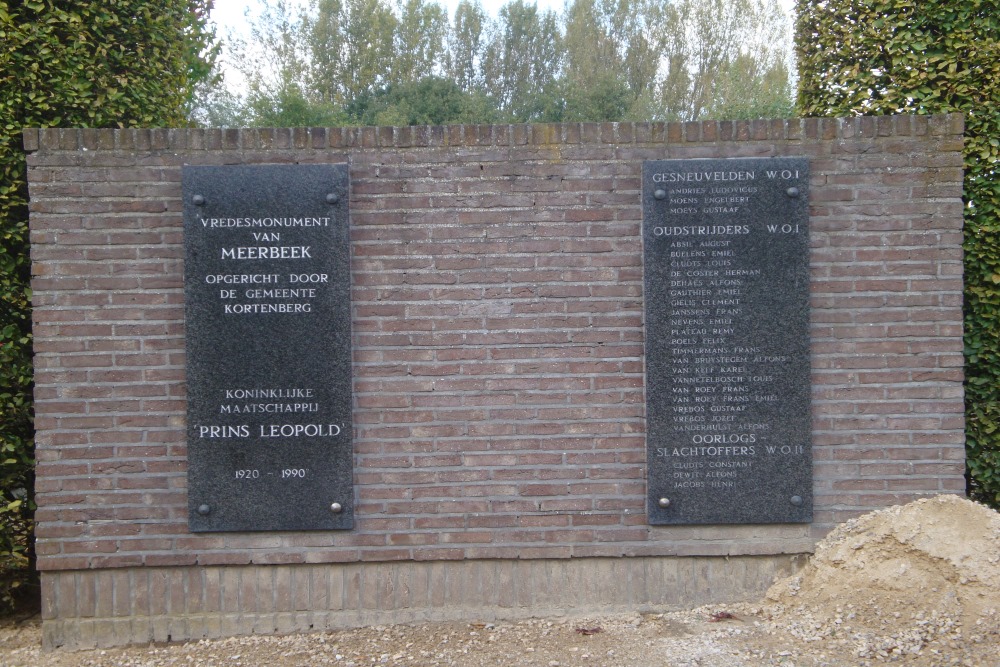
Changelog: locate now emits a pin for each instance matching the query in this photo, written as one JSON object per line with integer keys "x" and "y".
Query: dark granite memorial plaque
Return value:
{"x": 268, "y": 332}
{"x": 726, "y": 282}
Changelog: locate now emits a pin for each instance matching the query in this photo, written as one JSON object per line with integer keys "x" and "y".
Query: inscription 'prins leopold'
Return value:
{"x": 271, "y": 431}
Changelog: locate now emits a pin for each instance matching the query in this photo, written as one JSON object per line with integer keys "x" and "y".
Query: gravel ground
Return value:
{"x": 912, "y": 585}
{"x": 752, "y": 638}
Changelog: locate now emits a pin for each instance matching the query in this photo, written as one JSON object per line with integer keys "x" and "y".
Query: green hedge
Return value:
{"x": 929, "y": 56}
{"x": 70, "y": 63}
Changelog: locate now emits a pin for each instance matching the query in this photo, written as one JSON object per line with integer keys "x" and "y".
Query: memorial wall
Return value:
{"x": 315, "y": 378}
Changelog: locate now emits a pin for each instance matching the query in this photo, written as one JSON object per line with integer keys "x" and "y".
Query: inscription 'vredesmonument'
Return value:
{"x": 268, "y": 345}
{"x": 726, "y": 281}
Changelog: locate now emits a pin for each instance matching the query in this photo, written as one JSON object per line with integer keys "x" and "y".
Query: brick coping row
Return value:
{"x": 444, "y": 136}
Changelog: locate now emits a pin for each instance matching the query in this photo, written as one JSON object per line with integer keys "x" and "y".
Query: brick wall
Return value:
{"x": 498, "y": 337}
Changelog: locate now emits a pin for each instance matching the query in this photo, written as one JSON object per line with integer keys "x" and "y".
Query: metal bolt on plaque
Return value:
{"x": 664, "y": 502}
{"x": 336, "y": 508}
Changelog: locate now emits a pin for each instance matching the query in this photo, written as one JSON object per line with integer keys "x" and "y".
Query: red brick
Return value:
{"x": 497, "y": 319}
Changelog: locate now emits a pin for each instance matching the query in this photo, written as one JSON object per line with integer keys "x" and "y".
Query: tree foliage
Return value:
{"x": 466, "y": 43}
{"x": 428, "y": 101}
{"x": 522, "y": 60}
{"x": 70, "y": 63}
{"x": 923, "y": 57}
{"x": 612, "y": 55}
{"x": 598, "y": 60}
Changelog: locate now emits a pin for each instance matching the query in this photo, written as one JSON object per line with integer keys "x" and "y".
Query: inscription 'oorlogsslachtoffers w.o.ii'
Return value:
{"x": 726, "y": 289}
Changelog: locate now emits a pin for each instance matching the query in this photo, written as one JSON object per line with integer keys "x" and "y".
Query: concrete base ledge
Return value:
{"x": 99, "y": 608}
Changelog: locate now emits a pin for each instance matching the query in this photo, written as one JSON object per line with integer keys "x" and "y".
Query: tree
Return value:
{"x": 745, "y": 89}
{"x": 70, "y": 63}
{"x": 369, "y": 28}
{"x": 601, "y": 60}
{"x": 325, "y": 39}
{"x": 613, "y": 49}
{"x": 522, "y": 60}
{"x": 466, "y": 45}
{"x": 429, "y": 101}
{"x": 724, "y": 46}
{"x": 933, "y": 56}
{"x": 680, "y": 60}
{"x": 420, "y": 40}
{"x": 603, "y": 97}
{"x": 283, "y": 82}
{"x": 306, "y": 66}
{"x": 755, "y": 81}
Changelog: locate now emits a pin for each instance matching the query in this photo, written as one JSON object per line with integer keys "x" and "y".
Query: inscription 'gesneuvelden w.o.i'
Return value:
{"x": 268, "y": 340}
{"x": 726, "y": 288}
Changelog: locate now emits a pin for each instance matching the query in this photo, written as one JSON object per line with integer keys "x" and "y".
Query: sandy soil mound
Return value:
{"x": 926, "y": 574}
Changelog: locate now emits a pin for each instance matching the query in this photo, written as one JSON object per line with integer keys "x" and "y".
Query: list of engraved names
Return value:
{"x": 726, "y": 253}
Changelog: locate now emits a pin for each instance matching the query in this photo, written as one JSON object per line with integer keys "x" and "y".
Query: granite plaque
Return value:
{"x": 726, "y": 281}
{"x": 268, "y": 339}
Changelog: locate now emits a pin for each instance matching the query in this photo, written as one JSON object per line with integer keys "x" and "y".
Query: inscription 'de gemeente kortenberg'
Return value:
{"x": 726, "y": 284}
{"x": 268, "y": 346}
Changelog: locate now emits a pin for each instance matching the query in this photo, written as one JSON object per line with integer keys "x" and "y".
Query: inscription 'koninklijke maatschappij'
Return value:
{"x": 268, "y": 345}
{"x": 726, "y": 280}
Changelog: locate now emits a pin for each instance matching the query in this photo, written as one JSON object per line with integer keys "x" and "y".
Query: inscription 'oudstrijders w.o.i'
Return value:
{"x": 726, "y": 288}
{"x": 268, "y": 322}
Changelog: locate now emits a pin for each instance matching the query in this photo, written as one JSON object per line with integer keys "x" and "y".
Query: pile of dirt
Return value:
{"x": 922, "y": 578}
